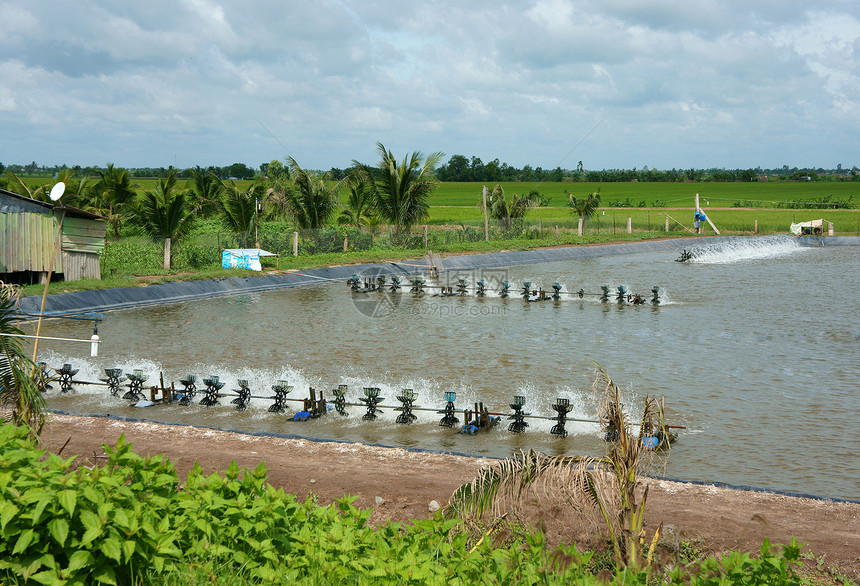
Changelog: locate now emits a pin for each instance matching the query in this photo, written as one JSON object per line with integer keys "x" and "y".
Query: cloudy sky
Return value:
{"x": 611, "y": 83}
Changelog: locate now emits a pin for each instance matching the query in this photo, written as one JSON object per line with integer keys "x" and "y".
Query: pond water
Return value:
{"x": 754, "y": 347}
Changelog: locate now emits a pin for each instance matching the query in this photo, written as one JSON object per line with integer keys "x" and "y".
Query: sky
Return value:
{"x": 611, "y": 83}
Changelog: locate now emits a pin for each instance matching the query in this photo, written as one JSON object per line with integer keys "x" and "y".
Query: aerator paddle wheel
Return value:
{"x": 211, "y": 392}
{"x": 519, "y": 424}
{"x": 244, "y": 395}
{"x": 282, "y": 389}
{"x": 190, "y": 389}
{"x": 66, "y": 373}
{"x": 450, "y": 418}
{"x": 562, "y": 408}
{"x": 135, "y": 385}
{"x": 406, "y": 398}
{"x": 113, "y": 377}
{"x": 371, "y": 399}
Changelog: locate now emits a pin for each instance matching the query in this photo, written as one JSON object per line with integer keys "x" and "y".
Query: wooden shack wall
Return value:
{"x": 80, "y": 265}
{"x": 26, "y": 242}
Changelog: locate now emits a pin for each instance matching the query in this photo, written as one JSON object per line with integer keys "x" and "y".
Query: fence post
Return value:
{"x": 630, "y": 225}
{"x": 167, "y": 253}
{"x": 830, "y": 228}
{"x": 667, "y": 223}
{"x": 755, "y": 231}
{"x": 556, "y": 232}
{"x": 295, "y": 243}
{"x": 345, "y": 243}
{"x": 425, "y": 236}
{"x": 579, "y": 228}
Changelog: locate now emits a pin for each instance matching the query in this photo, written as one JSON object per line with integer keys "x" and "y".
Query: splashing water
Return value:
{"x": 747, "y": 250}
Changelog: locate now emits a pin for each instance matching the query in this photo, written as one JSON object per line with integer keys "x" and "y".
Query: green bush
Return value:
{"x": 132, "y": 522}
{"x": 135, "y": 255}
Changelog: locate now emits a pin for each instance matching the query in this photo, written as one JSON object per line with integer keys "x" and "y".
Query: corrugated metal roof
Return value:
{"x": 13, "y": 203}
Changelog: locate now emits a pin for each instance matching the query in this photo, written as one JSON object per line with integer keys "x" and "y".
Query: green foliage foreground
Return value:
{"x": 132, "y": 522}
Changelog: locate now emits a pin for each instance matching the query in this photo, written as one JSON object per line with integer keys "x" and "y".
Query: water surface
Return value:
{"x": 754, "y": 348}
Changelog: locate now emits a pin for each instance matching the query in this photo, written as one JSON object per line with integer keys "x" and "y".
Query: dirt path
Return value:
{"x": 714, "y": 518}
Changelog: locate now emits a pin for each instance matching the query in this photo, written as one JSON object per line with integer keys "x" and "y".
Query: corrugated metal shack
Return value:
{"x": 28, "y": 234}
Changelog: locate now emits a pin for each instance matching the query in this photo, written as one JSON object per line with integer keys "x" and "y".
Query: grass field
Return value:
{"x": 673, "y": 194}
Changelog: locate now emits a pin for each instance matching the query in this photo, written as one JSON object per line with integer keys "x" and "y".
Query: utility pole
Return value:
{"x": 256, "y": 223}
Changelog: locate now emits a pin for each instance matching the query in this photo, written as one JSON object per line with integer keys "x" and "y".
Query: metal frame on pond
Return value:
{"x": 418, "y": 284}
{"x": 478, "y": 418}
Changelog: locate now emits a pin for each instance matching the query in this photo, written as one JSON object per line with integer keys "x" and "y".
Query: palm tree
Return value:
{"x": 402, "y": 188}
{"x": 510, "y": 212}
{"x": 604, "y": 487}
{"x": 205, "y": 188}
{"x": 19, "y": 376}
{"x": 110, "y": 195}
{"x": 165, "y": 212}
{"x": 584, "y": 207}
{"x": 75, "y": 192}
{"x": 239, "y": 208}
{"x": 359, "y": 209}
{"x": 312, "y": 202}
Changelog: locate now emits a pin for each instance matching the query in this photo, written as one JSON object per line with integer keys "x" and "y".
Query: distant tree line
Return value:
{"x": 460, "y": 168}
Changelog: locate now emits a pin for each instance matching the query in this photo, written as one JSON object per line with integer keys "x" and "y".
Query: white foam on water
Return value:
{"x": 764, "y": 247}
{"x": 430, "y": 392}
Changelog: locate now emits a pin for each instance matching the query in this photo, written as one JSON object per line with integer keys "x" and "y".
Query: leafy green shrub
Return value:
{"x": 131, "y": 256}
{"x": 131, "y": 522}
{"x": 195, "y": 256}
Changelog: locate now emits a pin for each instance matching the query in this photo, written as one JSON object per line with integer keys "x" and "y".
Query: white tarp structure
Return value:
{"x": 812, "y": 227}
{"x": 243, "y": 258}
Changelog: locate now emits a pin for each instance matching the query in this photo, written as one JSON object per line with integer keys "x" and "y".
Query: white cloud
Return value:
{"x": 726, "y": 82}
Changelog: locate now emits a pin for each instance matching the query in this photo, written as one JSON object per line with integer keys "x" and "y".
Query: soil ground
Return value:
{"x": 399, "y": 485}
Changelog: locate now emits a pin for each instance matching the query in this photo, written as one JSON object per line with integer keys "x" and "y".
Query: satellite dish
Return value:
{"x": 57, "y": 191}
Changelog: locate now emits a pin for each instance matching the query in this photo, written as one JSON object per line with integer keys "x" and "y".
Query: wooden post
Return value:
{"x": 830, "y": 228}
{"x": 630, "y": 225}
{"x": 295, "y": 243}
{"x": 556, "y": 232}
{"x": 579, "y": 228}
{"x": 486, "y": 218}
{"x": 755, "y": 229}
{"x": 345, "y": 243}
{"x": 167, "y": 253}
{"x": 667, "y": 223}
{"x": 425, "y": 236}
{"x": 58, "y": 245}
{"x": 707, "y": 217}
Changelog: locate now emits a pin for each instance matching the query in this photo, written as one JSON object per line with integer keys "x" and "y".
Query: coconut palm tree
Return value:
{"x": 312, "y": 202}
{"x": 402, "y": 189}
{"x": 601, "y": 487}
{"x": 509, "y": 212}
{"x": 239, "y": 208}
{"x": 19, "y": 376}
{"x": 74, "y": 193}
{"x": 584, "y": 207}
{"x": 359, "y": 209}
{"x": 165, "y": 212}
{"x": 110, "y": 194}
{"x": 205, "y": 191}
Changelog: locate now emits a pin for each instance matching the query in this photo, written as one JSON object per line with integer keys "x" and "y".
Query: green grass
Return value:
{"x": 673, "y": 194}
{"x": 609, "y": 220}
